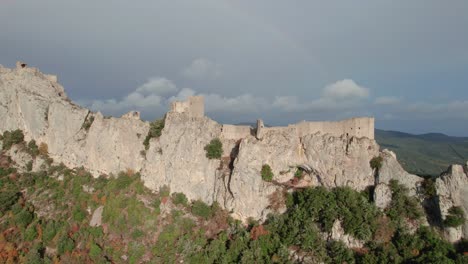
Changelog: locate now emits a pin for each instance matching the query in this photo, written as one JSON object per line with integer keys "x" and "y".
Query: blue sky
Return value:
{"x": 404, "y": 62}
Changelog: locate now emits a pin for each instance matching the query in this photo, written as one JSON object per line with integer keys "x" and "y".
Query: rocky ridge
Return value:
{"x": 38, "y": 105}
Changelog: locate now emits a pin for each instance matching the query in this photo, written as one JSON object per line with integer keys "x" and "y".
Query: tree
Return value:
{"x": 155, "y": 131}
{"x": 455, "y": 217}
{"x": 214, "y": 150}
{"x": 12, "y": 137}
{"x": 267, "y": 173}
{"x": 376, "y": 163}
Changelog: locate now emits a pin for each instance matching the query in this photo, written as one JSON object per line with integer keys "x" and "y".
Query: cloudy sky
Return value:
{"x": 404, "y": 62}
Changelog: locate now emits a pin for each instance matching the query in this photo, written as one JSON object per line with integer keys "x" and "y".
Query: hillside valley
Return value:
{"x": 426, "y": 154}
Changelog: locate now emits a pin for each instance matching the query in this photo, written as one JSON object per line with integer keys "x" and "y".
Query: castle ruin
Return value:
{"x": 353, "y": 127}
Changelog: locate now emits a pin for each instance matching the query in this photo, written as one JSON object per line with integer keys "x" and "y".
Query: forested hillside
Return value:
{"x": 427, "y": 154}
{"x": 57, "y": 214}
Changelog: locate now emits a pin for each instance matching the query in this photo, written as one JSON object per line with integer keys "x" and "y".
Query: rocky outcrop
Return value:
{"x": 334, "y": 161}
{"x": 452, "y": 190}
{"x": 96, "y": 218}
{"x": 338, "y": 234}
{"x": 392, "y": 170}
{"x": 37, "y": 104}
{"x": 178, "y": 159}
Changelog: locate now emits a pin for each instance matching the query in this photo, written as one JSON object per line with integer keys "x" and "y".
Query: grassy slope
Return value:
{"x": 427, "y": 154}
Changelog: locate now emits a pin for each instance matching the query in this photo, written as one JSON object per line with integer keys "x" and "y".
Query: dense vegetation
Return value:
{"x": 455, "y": 217}
{"x": 45, "y": 217}
{"x": 12, "y": 137}
{"x": 214, "y": 149}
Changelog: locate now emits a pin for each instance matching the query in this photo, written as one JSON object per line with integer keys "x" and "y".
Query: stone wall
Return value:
{"x": 354, "y": 127}
{"x": 235, "y": 132}
{"x": 193, "y": 107}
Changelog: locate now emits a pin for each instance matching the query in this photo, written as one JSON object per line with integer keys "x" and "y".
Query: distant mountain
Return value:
{"x": 426, "y": 154}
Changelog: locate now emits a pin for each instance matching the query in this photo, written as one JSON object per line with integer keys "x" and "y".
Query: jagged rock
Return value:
{"x": 452, "y": 190}
{"x": 338, "y": 234}
{"x": 341, "y": 161}
{"x": 382, "y": 195}
{"x": 34, "y": 103}
{"x": 132, "y": 115}
{"x": 391, "y": 169}
{"x": 20, "y": 157}
{"x": 178, "y": 159}
{"x": 39, "y": 164}
{"x": 96, "y": 218}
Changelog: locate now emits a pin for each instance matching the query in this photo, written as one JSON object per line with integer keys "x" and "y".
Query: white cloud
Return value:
{"x": 245, "y": 103}
{"x": 345, "y": 89}
{"x": 202, "y": 69}
{"x": 157, "y": 85}
{"x": 150, "y": 95}
{"x": 387, "y": 100}
{"x": 156, "y": 94}
{"x": 341, "y": 95}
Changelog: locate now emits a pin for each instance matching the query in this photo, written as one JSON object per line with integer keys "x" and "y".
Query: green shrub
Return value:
{"x": 179, "y": 198}
{"x": 376, "y": 163}
{"x": 96, "y": 232}
{"x": 155, "y": 131}
{"x": 201, "y": 209}
{"x": 123, "y": 181}
{"x": 267, "y": 174}
{"x": 137, "y": 233}
{"x": 339, "y": 253}
{"x": 429, "y": 189}
{"x": 24, "y": 218}
{"x": 31, "y": 233}
{"x": 214, "y": 150}
{"x": 298, "y": 174}
{"x": 403, "y": 206}
{"x": 65, "y": 244}
{"x": 95, "y": 250}
{"x": 33, "y": 149}
{"x": 50, "y": 230}
{"x": 34, "y": 255}
{"x": 12, "y": 137}
{"x": 7, "y": 199}
{"x": 79, "y": 214}
{"x": 455, "y": 217}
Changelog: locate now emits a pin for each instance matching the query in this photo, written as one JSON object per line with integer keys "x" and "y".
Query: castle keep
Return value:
{"x": 353, "y": 127}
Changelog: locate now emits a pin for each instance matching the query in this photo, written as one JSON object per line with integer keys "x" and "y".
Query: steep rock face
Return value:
{"x": 341, "y": 161}
{"x": 452, "y": 190}
{"x": 391, "y": 169}
{"x": 178, "y": 159}
{"x": 36, "y": 104}
{"x": 281, "y": 151}
{"x": 333, "y": 161}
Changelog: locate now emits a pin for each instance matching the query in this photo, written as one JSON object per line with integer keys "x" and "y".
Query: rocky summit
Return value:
{"x": 328, "y": 154}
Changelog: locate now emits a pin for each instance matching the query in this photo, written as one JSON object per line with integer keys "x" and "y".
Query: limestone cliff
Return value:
{"x": 38, "y": 105}
{"x": 452, "y": 190}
